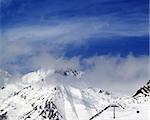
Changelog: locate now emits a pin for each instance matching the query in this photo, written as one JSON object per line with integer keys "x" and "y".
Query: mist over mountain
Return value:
{"x": 45, "y": 94}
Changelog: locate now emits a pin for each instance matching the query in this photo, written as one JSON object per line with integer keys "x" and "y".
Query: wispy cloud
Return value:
{"x": 22, "y": 42}
{"x": 36, "y": 39}
{"x": 76, "y": 29}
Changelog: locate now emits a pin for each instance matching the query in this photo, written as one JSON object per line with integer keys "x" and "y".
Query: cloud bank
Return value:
{"x": 120, "y": 75}
{"x": 41, "y": 38}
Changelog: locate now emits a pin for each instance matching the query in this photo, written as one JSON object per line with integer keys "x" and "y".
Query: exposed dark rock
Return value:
{"x": 3, "y": 116}
{"x": 69, "y": 72}
{"x": 145, "y": 90}
{"x": 2, "y": 87}
{"x": 101, "y": 91}
{"x": 48, "y": 110}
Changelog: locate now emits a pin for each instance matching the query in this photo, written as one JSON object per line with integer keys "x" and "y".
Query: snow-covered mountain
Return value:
{"x": 4, "y": 77}
{"x": 143, "y": 92}
{"x": 34, "y": 98}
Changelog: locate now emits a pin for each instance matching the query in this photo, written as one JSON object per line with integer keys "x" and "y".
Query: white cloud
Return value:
{"x": 45, "y": 60}
{"x": 22, "y": 40}
{"x": 76, "y": 30}
{"x": 107, "y": 72}
{"x": 112, "y": 73}
{"x": 122, "y": 75}
{"x": 117, "y": 74}
{"x": 61, "y": 33}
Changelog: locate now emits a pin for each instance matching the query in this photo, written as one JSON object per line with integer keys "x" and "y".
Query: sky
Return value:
{"x": 109, "y": 34}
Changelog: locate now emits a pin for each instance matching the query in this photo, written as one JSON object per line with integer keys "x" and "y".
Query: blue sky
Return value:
{"x": 43, "y": 11}
{"x": 72, "y": 28}
{"x": 107, "y": 39}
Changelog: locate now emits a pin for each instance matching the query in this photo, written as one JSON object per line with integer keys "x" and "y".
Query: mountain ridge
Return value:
{"x": 32, "y": 99}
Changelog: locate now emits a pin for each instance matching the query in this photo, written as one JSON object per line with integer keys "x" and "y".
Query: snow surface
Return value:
{"x": 35, "y": 99}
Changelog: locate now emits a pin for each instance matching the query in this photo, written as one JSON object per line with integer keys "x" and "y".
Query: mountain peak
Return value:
{"x": 36, "y": 76}
{"x": 70, "y": 72}
{"x": 143, "y": 91}
{"x": 41, "y": 74}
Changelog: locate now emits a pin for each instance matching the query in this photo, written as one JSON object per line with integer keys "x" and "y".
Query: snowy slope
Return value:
{"x": 33, "y": 98}
{"x": 143, "y": 94}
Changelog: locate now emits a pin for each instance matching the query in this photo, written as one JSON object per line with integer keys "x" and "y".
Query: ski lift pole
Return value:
{"x": 114, "y": 108}
{"x": 114, "y": 112}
